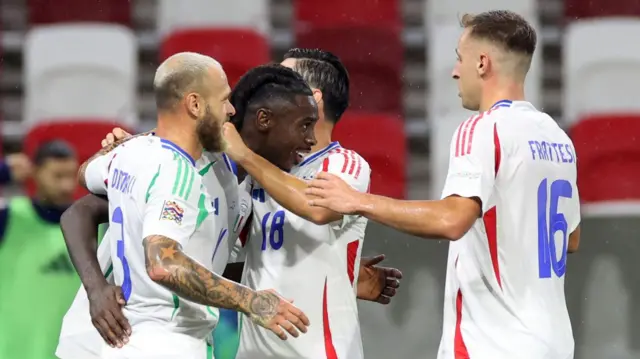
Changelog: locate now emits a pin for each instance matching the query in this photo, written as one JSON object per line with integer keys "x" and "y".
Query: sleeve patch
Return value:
{"x": 171, "y": 211}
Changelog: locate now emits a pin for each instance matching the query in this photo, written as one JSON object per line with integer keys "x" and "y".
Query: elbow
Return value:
{"x": 157, "y": 272}
{"x": 572, "y": 248}
{"x": 453, "y": 232}
{"x": 455, "y": 226}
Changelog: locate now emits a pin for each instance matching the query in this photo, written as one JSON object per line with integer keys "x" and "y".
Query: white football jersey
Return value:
{"x": 316, "y": 266}
{"x": 504, "y": 294}
{"x": 78, "y": 336}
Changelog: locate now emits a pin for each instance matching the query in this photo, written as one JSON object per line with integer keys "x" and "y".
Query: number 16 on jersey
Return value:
{"x": 550, "y": 222}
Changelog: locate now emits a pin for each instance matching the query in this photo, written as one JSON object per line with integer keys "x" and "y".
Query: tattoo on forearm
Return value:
{"x": 170, "y": 267}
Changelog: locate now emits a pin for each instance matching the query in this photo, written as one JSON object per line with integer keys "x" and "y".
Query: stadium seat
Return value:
{"x": 237, "y": 50}
{"x": 311, "y": 14}
{"x": 247, "y": 14}
{"x": 580, "y": 9}
{"x": 608, "y": 153}
{"x": 374, "y": 57}
{"x": 603, "y": 81}
{"x": 81, "y": 70}
{"x": 382, "y": 142}
{"x": 451, "y": 10}
{"x": 84, "y": 135}
{"x": 58, "y": 11}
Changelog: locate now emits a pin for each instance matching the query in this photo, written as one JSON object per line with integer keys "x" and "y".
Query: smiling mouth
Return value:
{"x": 301, "y": 154}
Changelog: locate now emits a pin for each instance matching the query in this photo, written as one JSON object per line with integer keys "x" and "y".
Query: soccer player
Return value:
{"x": 311, "y": 254}
{"x": 162, "y": 215}
{"x": 510, "y": 205}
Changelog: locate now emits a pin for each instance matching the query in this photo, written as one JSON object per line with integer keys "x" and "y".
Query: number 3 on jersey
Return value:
{"x": 551, "y": 222}
{"x": 275, "y": 235}
{"x": 118, "y": 218}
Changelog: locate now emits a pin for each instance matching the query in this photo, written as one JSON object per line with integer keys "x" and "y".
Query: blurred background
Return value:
{"x": 71, "y": 70}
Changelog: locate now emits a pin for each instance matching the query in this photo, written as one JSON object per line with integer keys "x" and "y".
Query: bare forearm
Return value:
{"x": 79, "y": 226}
{"x": 168, "y": 266}
{"x": 426, "y": 219}
{"x": 286, "y": 189}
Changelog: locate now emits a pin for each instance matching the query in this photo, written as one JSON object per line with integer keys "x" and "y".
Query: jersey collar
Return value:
{"x": 312, "y": 157}
{"x": 172, "y": 146}
{"x": 502, "y": 103}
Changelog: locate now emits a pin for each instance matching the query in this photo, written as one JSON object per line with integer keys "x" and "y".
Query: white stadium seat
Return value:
{"x": 81, "y": 71}
{"x": 246, "y": 14}
{"x": 601, "y": 73}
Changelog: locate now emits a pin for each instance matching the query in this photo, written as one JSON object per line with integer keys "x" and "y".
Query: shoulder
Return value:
{"x": 345, "y": 161}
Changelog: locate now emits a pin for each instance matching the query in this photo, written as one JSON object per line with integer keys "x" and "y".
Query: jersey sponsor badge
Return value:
{"x": 171, "y": 211}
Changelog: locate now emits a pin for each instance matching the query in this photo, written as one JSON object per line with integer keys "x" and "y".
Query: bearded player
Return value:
{"x": 510, "y": 205}
{"x": 163, "y": 214}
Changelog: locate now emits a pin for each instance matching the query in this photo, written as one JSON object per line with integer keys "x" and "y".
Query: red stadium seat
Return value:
{"x": 381, "y": 141}
{"x": 373, "y": 56}
{"x": 83, "y": 136}
{"x": 310, "y": 14}
{"x": 577, "y": 9}
{"x": 237, "y": 50}
{"x": 608, "y": 157}
{"x": 55, "y": 11}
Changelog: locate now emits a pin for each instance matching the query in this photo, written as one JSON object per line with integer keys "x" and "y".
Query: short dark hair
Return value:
{"x": 56, "y": 149}
{"x": 505, "y": 28}
{"x": 324, "y": 71}
{"x": 263, "y": 85}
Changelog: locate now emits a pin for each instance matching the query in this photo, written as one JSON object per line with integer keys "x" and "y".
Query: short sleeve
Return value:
{"x": 472, "y": 159}
{"x": 97, "y": 173}
{"x": 175, "y": 201}
{"x": 351, "y": 168}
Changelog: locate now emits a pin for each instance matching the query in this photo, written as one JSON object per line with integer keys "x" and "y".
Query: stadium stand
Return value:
{"x": 237, "y": 50}
{"x": 243, "y": 14}
{"x": 59, "y": 11}
{"x": 381, "y": 140}
{"x": 80, "y": 71}
{"x": 603, "y": 110}
{"x": 579, "y": 9}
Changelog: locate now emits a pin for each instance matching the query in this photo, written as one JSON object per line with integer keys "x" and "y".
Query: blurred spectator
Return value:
{"x": 16, "y": 168}
{"x": 37, "y": 280}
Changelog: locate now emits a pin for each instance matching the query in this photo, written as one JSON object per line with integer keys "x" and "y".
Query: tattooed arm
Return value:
{"x": 168, "y": 266}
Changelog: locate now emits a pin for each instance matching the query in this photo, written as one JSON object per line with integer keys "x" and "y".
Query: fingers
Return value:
{"x": 389, "y": 292}
{"x": 290, "y": 328}
{"x": 383, "y": 300}
{"x": 393, "y": 273}
{"x": 277, "y": 330}
{"x": 105, "y": 331}
{"x": 298, "y": 322}
{"x": 392, "y": 283}
{"x": 119, "y": 133}
{"x": 116, "y": 332}
{"x": 371, "y": 261}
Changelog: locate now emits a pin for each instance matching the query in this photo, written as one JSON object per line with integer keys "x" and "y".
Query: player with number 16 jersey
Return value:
{"x": 508, "y": 269}
{"x": 315, "y": 264}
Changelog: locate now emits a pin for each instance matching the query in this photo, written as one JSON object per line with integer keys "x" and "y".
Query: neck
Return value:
{"x": 172, "y": 128}
{"x": 513, "y": 91}
{"x": 323, "y": 131}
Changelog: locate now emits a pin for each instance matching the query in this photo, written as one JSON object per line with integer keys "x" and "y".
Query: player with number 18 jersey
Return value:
{"x": 315, "y": 264}
{"x": 508, "y": 270}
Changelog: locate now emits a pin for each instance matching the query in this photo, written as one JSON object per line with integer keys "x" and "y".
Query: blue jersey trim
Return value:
{"x": 502, "y": 103}
{"x": 313, "y": 157}
{"x": 172, "y": 146}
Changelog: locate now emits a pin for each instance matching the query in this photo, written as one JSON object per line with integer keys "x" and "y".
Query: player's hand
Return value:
{"x": 375, "y": 283}
{"x": 116, "y": 134}
{"x": 105, "y": 307}
{"x": 333, "y": 193}
{"x": 234, "y": 145}
{"x": 271, "y": 311}
{"x": 20, "y": 167}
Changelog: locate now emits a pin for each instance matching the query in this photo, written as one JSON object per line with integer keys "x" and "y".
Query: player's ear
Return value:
{"x": 193, "y": 105}
{"x": 317, "y": 95}
{"x": 483, "y": 64}
{"x": 264, "y": 119}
